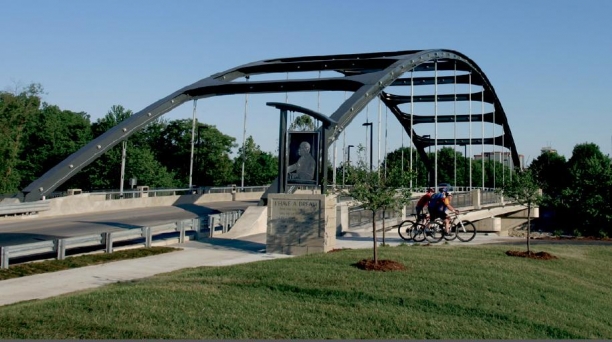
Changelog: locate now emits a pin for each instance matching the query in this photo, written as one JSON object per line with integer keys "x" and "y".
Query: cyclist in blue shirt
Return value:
{"x": 438, "y": 204}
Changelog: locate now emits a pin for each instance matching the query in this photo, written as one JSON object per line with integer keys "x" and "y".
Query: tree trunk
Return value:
{"x": 374, "y": 236}
{"x": 528, "y": 227}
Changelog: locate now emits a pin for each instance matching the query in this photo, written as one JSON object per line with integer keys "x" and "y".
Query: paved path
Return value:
{"x": 208, "y": 252}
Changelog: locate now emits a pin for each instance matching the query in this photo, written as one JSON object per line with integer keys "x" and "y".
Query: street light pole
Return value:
{"x": 466, "y": 164}
{"x": 428, "y": 153}
{"x": 371, "y": 131}
{"x": 123, "y": 153}
{"x": 349, "y": 154}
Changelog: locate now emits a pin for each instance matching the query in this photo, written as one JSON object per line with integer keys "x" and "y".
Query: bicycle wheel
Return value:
{"x": 418, "y": 233}
{"x": 465, "y": 231}
{"x": 405, "y": 229}
{"x": 450, "y": 236}
{"x": 433, "y": 234}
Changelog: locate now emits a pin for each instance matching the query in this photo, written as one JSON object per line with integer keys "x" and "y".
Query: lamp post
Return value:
{"x": 349, "y": 154}
{"x": 123, "y": 153}
{"x": 466, "y": 161}
{"x": 371, "y": 146}
{"x": 348, "y": 164}
{"x": 428, "y": 153}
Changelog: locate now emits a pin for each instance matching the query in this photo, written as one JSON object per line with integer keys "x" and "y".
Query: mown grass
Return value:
{"x": 448, "y": 292}
{"x": 46, "y": 266}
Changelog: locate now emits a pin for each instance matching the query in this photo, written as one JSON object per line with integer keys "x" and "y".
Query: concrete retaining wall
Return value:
{"x": 247, "y": 196}
{"x": 254, "y": 220}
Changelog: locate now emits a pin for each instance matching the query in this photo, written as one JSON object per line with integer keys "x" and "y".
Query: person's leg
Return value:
{"x": 446, "y": 222}
{"x": 432, "y": 217}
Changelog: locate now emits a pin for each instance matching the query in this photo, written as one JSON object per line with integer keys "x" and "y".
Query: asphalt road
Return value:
{"x": 14, "y": 231}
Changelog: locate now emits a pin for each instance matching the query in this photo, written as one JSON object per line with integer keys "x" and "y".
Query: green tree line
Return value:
{"x": 35, "y": 136}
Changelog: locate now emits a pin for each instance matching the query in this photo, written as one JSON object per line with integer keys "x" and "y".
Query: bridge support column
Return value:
{"x": 342, "y": 218}
{"x": 476, "y": 198}
{"x": 491, "y": 224}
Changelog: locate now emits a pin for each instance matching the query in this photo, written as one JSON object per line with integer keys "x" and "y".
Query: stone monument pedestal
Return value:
{"x": 301, "y": 224}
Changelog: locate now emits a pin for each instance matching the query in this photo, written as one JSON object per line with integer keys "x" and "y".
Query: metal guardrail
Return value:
{"x": 222, "y": 222}
{"x": 225, "y": 221}
{"x": 359, "y": 216}
{"x": 26, "y": 208}
{"x": 105, "y": 240}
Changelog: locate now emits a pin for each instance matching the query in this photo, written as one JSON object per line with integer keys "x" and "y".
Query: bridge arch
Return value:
{"x": 367, "y": 75}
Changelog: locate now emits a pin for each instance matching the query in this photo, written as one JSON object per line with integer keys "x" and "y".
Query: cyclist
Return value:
{"x": 424, "y": 200}
{"x": 438, "y": 204}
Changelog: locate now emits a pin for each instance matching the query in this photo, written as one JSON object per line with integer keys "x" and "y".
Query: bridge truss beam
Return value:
{"x": 366, "y": 75}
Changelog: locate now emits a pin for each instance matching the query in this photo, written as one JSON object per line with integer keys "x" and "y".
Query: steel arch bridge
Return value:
{"x": 366, "y": 75}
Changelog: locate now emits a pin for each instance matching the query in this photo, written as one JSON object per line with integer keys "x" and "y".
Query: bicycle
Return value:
{"x": 408, "y": 228}
{"x": 464, "y": 230}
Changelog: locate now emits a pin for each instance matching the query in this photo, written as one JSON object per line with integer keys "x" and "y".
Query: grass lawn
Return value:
{"x": 447, "y": 292}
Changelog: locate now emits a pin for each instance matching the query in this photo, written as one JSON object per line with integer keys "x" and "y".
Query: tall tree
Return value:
{"x": 105, "y": 172}
{"x": 173, "y": 148}
{"x": 52, "y": 137}
{"x": 261, "y": 168}
{"x": 399, "y": 159}
{"x": 550, "y": 170}
{"x": 585, "y": 201}
{"x": 17, "y": 111}
{"x": 446, "y": 164}
{"x": 213, "y": 163}
{"x": 302, "y": 123}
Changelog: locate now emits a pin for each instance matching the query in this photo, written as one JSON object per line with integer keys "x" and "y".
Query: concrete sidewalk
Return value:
{"x": 207, "y": 252}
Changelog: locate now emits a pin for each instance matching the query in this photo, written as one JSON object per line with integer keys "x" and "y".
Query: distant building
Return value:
{"x": 502, "y": 157}
{"x": 548, "y": 149}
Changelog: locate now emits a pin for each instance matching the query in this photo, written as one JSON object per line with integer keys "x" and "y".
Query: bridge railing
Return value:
{"x": 222, "y": 222}
{"x": 27, "y": 208}
{"x": 107, "y": 241}
{"x": 359, "y": 216}
{"x": 464, "y": 199}
{"x": 489, "y": 197}
{"x": 115, "y": 194}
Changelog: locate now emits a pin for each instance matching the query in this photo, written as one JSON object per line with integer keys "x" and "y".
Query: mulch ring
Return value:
{"x": 382, "y": 265}
{"x": 532, "y": 255}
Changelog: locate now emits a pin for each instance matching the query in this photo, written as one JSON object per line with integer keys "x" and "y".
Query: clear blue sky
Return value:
{"x": 549, "y": 61}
